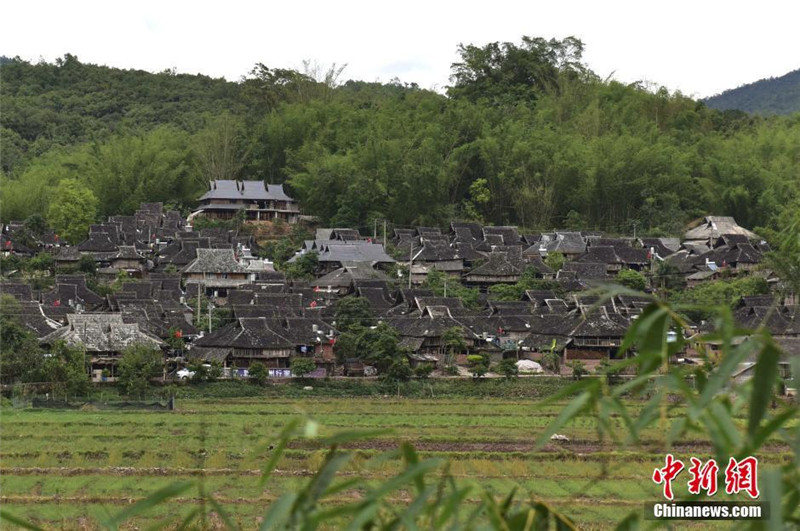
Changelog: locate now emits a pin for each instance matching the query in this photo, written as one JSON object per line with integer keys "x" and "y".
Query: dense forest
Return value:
{"x": 775, "y": 95}
{"x": 526, "y": 134}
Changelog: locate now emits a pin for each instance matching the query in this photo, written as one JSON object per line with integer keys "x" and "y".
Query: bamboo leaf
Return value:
{"x": 158, "y": 497}
{"x": 223, "y": 514}
{"x": 277, "y": 514}
{"x": 17, "y": 521}
{"x": 279, "y": 447}
{"x": 766, "y": 373}
{"x": 570, "y": 411}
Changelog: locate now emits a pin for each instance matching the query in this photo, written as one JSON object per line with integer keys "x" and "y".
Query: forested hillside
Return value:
{"x": 526, "y": 135}
{"x": 776, "y": 95}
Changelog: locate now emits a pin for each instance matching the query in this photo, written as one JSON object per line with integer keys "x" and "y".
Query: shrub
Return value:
{"x": 632, "y": 279}
{"x": 508, "y": 368}
{"x": 66, "y": 369}
{"x": 478, "y": 364}
{"x": 578, "y": 369}
{"x": 86, "y": 264}
{"x": 551, "y": 361}
{"x": 423, "y": 371}
{"x": 302, "y": 366}
{"x": 258, "y": 373}
{"x": 139, "y": 363}
{"x": 399, "y": 371}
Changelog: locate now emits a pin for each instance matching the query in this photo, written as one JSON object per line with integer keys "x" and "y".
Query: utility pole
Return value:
{"x": 374, "y": 230}
{"x": 384, "y": 234}
{"x": 410, "y": 259}
{"x": 199, "y": 311}
{"x": 209, "y": 316}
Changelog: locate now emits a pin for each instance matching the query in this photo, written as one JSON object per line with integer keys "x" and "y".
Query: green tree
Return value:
{"x": 578, "y": 369}
{"x": 551, "y": 361}
{"x": 72, "y": 209}
{"x": 508, "y": 368}
{"x": 352, "y": 313}
{"x": 508, "y": 72}
{"x": 453, "y": 342}
{"x": 478, "y": 364}
{"x": 138, "y": 365}
{"x": 555, "y": 261}
{"x": 258, "y": 373}
{"x": 302, "y": 367}
{"x": 21, "y": 358}
{"x": 697, "y": 302}
{"x": 346, "y": 346}
{"x": 86, "y": 264}
{"x": 67, "y": 370}
{"x": 632, "y": 279}
{"x": 380, "y": 346}
{"x": 303, "y": 267}
{"x": 423, "y": 371}
{"x": 399, "y": 371}
{"x": 785, "y": 259}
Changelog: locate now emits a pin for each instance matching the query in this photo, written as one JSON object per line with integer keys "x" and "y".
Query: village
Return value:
{"x": 459, "y": 300}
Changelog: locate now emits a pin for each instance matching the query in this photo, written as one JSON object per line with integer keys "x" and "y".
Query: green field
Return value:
{"x": 73, "y": 468}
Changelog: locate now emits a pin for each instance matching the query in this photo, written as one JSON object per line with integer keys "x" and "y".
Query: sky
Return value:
{"x": 699, "y": 47}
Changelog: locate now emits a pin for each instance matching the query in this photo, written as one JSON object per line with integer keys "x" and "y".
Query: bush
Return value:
{"x": 399, "y": 371}
{"x": 259, "y": 373}
{"x": 508, "y": 368}
{"x": 352, "y": 313}
{"x": 551, "y": 361}
{"x": 86, "y": 264}
{"x": 302, "y": 366}
{"x": 66, "y": 370}
{"x": 478, "y": 364}
{"x": 139, "y": 363}
{"x": 423, "y": 371}
{"x": 704, "y": 297}
{"x": 578, "y": 369}
{"x": 632, "y": 279}
{"x": 609, "y": 369}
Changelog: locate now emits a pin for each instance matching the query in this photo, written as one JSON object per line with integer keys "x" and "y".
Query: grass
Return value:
{"x": 61, "y": 467}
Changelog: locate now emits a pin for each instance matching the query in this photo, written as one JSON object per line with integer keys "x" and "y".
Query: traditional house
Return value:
{"x": 660, "y": 248}
{"x": 435, "y": 255}
{"x": 226, "y": 198}
{"x": 244, "y": 342}
{"x": 216, "y": 271}
{"x": 569, "y": 244}
{"x": 333, "y": 254}
{"x": 129, "y": 260}
{"x": 103, "y": 336}
{"x": 498, "y": 269}
{"x": 423, "y": 335}
{"x": 344, "y": 280}
{"x": 715, "y": 226}
{"x": 597, "y": 336}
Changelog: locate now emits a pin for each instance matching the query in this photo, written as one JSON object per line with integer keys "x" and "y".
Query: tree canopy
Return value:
{"x": 526, "y": 135}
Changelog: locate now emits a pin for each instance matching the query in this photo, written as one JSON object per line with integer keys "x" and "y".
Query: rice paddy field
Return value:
{"x": 72, "y": 468}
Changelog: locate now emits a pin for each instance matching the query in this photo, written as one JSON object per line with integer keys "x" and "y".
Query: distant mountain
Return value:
{"x": 776, "y": 95}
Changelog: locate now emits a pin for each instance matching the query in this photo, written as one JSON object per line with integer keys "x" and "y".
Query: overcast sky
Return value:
{"x": 700, "y": 47}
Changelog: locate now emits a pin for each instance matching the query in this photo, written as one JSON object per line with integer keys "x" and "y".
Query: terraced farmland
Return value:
{"x": 73, "y": 468}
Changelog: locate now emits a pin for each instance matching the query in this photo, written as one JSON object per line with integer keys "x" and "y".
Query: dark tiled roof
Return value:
{"x": 247, "y": 190}
{"x": 103, "y": 332}
{"x": 215, "y": 261}
{"x": 586, "y": 270}
{"x": 498, "y": 265}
